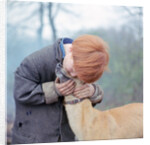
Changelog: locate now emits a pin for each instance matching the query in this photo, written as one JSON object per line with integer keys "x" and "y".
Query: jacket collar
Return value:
{"x": 60, "y": 50}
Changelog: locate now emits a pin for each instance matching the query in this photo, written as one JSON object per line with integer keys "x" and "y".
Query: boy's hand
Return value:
{"x": 65, "y": 88}
{"x": 86, "y": 90}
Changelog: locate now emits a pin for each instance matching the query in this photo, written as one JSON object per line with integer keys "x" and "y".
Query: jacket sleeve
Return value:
{"x": 98, "y": 94}
{"x": 51, "y": 93}
{"x": 27, "y": 86}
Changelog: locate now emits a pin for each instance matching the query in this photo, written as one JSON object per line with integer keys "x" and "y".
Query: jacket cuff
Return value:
{"x": 56, "y": 90}
{"x": 98, "y": 94}
{"x": 50, "y": 93}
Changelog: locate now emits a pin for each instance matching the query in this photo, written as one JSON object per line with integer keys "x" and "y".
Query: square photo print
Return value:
{"x": 74, "y": 72}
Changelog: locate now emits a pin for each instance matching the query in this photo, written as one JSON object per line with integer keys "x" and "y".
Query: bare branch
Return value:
{"x": 41, "y": 15}
{"x": 128, "y": 10}
{"x": 51, "y": 20}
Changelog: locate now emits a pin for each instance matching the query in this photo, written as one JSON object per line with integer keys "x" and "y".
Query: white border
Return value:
{"x": 146, "y": 70}
{"x": 2, "y": 72}
{"x": 146, "y": 65}
{"x": 102, "y": 2}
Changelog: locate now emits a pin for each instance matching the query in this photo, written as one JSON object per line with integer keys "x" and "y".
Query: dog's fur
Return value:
{"x": 88, "y": 123}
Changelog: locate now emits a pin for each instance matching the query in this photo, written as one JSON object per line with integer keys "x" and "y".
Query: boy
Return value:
{"x": 40, "y": 114}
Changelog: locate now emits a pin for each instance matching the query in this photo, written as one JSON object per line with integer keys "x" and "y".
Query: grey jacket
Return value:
{"x": 40, "y": 114}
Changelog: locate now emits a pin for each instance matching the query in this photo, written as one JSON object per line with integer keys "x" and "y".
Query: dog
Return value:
{"x": 88, "y": 123}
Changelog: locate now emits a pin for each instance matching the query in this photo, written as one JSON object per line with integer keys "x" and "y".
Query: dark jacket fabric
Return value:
{"x": 40, "y": 114}
{"x": 36, "y": 121}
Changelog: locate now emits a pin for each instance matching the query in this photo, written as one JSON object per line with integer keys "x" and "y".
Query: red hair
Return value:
{"x": 91, "y": 57}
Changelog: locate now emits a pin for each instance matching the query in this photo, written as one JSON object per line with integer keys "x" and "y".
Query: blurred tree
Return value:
{"x": 52, "y": 18}
{"x": 41, "y": 17}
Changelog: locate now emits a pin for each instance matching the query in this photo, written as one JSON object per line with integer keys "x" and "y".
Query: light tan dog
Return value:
{"x": 88, "y": 123}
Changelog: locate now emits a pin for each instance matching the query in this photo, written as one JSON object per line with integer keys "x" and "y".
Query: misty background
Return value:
{"x": 33, "y": 25}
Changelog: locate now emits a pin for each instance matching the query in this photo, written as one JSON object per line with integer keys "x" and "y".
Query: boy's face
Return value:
{"x": 68, "y": 64}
